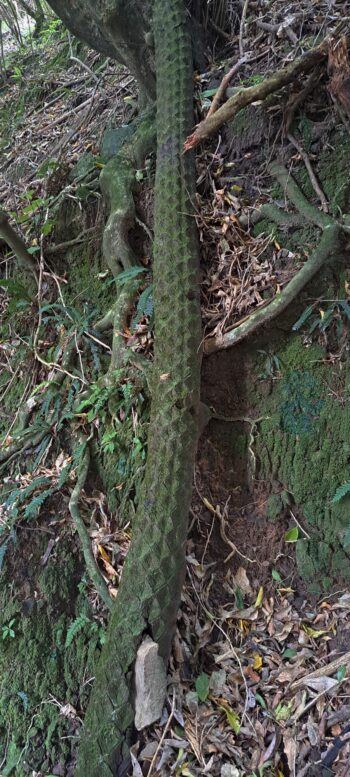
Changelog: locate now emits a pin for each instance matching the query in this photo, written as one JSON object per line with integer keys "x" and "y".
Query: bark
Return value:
{"x": 117, "y": 28}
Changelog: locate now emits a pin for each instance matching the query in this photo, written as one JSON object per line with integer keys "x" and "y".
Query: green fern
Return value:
{"x": 64, "y": 476}
{"x": 78, "y": 625}
{"x": 41, "y": 452}
{"x": 144, "y": 307}
{"x": 128, "y": 275}
{"x": 33, "y": 508}
{"x": 342, "y": 491}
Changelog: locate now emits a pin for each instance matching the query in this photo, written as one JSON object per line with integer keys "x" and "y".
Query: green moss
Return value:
{"x": 304, "y": 444}
{"x": 36, "y": 667}
{"x": 274, "y": 507}
{"x": 86, "y": 287}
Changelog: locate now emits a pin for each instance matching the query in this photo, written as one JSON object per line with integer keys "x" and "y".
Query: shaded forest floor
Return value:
{"x": 258, "y": 678}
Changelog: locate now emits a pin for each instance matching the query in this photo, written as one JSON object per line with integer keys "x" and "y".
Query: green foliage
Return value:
{"x": 7, "y": 631}
{"x": 338, "y": 310}
{"x": 96, "y": 402}
{"x": 75, "y": 627}
{"x": 79, "y": 624}
{"x": 202, "y": 686}
{"x": 19, "y": 297}
{"x": 292, "y": 535}
{"x": 144, "y": 308}
{"x": 17, "y": 502}
{"x": 342, "y": 491}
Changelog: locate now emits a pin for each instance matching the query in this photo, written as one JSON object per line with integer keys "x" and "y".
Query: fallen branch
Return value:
{"x": 251, "y": 94}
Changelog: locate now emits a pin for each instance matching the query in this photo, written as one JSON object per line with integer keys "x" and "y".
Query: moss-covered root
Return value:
{"x": 328, "y": 245}
{"x": 91, "y": 566}
{"x": 149, "y": 593}
{"x": 309, "y": 211}
{"x": 117, "y": 183}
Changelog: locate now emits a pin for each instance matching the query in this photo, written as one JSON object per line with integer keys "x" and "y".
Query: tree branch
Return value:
{"x": 15, "y": 242}
{"x": 251, "y": 94}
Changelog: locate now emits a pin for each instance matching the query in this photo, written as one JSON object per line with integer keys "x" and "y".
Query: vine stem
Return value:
{"x": 79, "y": 524}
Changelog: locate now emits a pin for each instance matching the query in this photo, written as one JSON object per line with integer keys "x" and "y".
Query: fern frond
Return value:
{"x": 342, "y": 491}
{"x": 144, "y": 306}
{"x": 33, "y": 508}
{"x": 78, "y": 625}
{"x": 41, "y": 452}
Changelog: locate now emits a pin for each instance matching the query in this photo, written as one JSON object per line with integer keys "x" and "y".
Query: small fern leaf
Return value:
{"x": 33, "y": 508}
{"x": 144, "y": 306}
{"x": 129, "y": 274}
{"x": 75, "y": 627}
{"x": 342, "y": 491}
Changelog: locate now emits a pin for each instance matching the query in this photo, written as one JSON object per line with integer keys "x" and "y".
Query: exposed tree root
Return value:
{"x": 328, "y": 244}
{"x": 79, "y": 524}
{"x": 117, "y": 183}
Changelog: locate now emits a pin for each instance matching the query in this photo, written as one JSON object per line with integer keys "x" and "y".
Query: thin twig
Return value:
{"x": 241, "y": 28}
{"x": 313, "y": 180}
{"x": 79, "y": 62}
{"x": 224, "y": 84}
{"x": 166, "y": 729}
{"x": 299, "y": 525}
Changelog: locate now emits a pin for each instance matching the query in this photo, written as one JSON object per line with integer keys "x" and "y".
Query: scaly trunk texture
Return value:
{"x": 116, "y": 28}
{"x": 149, "y": 593}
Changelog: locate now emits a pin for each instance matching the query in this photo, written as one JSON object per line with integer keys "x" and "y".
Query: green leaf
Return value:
{"x": 209, "y": 92}
{"x": 342, "y": 491}
{"x": 128, "y": 275}
{"x": 289, "y": 653}
{"x": 304, "y": 317}
{"x": 260, "y": 699}
{"x": 47, "y": 228}
{"x": 239, "y": 602}
{"x": 276, "y": 576}
{"x": 341, "y": 673}
{"x": 202, "y": 686}
{"x": 292, "y": 535}
{"x": 232, "y": 719}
